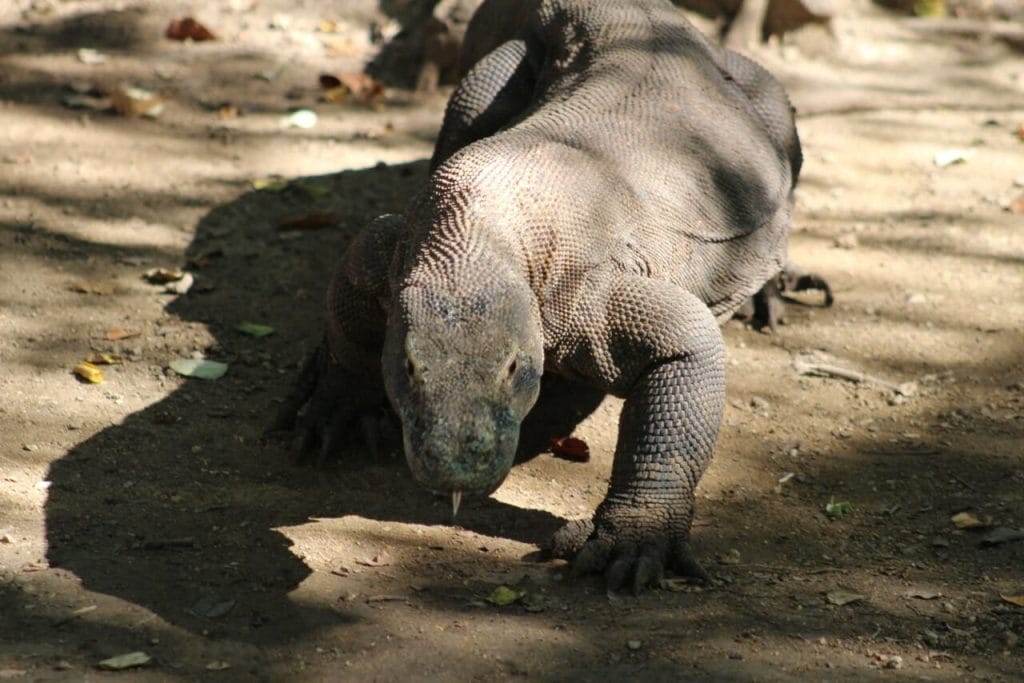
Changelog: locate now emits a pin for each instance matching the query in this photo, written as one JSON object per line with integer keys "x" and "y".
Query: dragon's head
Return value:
{"x": 462, "y": 368}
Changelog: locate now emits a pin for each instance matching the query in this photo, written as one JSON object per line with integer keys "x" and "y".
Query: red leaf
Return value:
{"x": 570, "y": 448}
{"x": 309, "y": 221}
{"x": 187, "y": 28}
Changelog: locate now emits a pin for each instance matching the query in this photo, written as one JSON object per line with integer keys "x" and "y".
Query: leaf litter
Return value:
{"x": 128, "y": 660}
{"x": 199, "y": 368}
{"x": 88, "y": 372}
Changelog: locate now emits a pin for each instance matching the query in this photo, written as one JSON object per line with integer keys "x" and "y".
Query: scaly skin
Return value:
{"x": 607, "y": 188}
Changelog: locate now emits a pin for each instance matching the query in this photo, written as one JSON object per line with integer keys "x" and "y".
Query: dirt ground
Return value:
{"x": 147, "y": 513}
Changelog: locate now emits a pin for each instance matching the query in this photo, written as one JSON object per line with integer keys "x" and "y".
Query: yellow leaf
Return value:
{"x": 89, "y": 372}
{"x": 269, "y": 184}
{"x": 1017, "y": 600}
{"x": 968, "y": 520}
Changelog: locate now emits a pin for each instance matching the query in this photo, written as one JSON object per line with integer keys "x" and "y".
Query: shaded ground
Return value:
{"x": 146, "y": 513}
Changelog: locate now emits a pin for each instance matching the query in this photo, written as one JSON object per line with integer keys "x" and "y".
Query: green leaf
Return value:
{"x": 840, "y": 598}
{"x": 200, "y": 368}
{"x": 269, "y": 184}
{"x": 255, "y": 329}
{"x": 503, "y": 596}
{"x": 125, "y": 661}
{"x": 834, "y": 509}
{"x": 311, "y": 189}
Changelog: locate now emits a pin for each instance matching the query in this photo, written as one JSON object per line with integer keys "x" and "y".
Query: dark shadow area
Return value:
{"x": 130, "y": 29}
{"x": 182, "y": 487}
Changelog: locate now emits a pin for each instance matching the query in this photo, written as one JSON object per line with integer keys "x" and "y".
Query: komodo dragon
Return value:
{"x": 607, "y": 187}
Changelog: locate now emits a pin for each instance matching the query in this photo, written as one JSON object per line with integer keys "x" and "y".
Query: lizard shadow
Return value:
{"x": 181, "y": 507}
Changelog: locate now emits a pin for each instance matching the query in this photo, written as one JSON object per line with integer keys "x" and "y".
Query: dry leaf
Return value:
{"x": 1017, "y": 204}
{"x": 84, "y": 287}
{"x": 362, "y": 88}
{"x": 841, "y": 598}
{"x": 126, "y": 661}
{"x": 570, "y": 448}
{"x": 381, "y": 559}
{"x": 187, "y": 28}
{"x": 968, "y": 520}
{"x": 335, "y": 95}
{"x": 119, "y": 333}
{"x": 310, "y": 221}
{"x": 227, "y": 112}
{"x": 89, "y": 372}
{"x": 105, "y": 359}
{"x": 1017, "y": 600}
{"x": 161, "y": 276}
{"x": 131, "y": 101}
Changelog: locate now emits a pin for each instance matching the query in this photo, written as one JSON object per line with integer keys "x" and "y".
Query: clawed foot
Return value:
{"x": 631, "y": 557}
{"x": 766, "y": 309}
{"x": 323, "y": 409}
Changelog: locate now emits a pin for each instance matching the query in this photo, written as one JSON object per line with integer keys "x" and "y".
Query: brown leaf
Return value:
{"x": 131, "y": 101}
{"x": 381, "y": 559}
{"x": 187, "y": 28}
{"x": 227, "y": 112}
{"x": 362, "y": 88}
{"x": 1017, "y": 600}
{"x": 84, "y": 287}
{"x": 318, "y": 220}
{"x": 1017, "y": 205}
{"x": 570, "y": 448}
{"x": 339, "y": 94}
{"x": 119, "y": 333}
{"x": 161, "y": 276}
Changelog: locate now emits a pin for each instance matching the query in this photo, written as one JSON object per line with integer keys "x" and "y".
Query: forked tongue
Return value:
{"x": 456, "y": 499}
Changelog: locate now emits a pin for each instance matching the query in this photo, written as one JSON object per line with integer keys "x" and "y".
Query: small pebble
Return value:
{"x": 634, "y": 644}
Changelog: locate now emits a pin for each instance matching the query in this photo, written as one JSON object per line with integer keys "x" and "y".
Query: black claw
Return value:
{"x": 570, "y": 539}
{"x": 684, "y": 562}
{"x": 591, "y": 559}
{"x": 617, "y": 573}
{"x": 649, "y": 571}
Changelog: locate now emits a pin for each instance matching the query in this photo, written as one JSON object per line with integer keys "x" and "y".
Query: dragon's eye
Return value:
{"x": 410, "y": 368}
{"x": 512, "y": 367}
